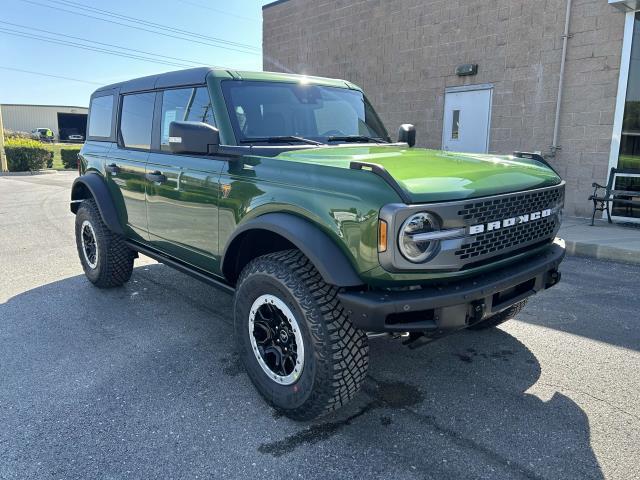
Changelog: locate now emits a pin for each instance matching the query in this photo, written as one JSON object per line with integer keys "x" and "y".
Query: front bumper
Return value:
{"x": 455, "y": 305}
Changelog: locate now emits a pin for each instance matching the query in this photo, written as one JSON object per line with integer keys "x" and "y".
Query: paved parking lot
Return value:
{"x": 143, "y": 381}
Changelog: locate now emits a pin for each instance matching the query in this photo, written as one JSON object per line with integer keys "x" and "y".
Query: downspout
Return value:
{"x": 565, "y": 38}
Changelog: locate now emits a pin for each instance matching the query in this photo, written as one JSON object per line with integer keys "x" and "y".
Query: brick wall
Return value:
{"x": 404, "y": 54}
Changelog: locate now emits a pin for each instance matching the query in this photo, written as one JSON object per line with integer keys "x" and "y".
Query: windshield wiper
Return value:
{"x": 280, "y": 139}
{"x": 354, "y": 138}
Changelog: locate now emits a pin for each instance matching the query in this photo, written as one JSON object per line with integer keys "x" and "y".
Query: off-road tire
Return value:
{"x": 498, "y": 318}
{"x": 114, "y": 258}
{"x": 336, "y": 355}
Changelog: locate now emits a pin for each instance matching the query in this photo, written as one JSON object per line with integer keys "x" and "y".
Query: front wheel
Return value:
{"x": 298, "y": 346}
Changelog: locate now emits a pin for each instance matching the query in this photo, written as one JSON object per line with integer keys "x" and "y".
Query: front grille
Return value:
{"x": 493, "y": 242}
{"x": 511, "y": 206}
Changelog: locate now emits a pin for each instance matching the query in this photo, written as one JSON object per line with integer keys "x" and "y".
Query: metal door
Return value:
{"x": 467, "y": 117}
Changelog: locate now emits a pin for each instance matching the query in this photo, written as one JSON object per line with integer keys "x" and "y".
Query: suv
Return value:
{"x": 42, "y": 134}
{"x": 287, "y": 191}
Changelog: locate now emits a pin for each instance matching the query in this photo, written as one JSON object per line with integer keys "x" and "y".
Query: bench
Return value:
{"x": 601, "y": 200}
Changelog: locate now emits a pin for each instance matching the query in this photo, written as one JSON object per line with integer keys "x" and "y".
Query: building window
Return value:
{"x": 455, "y": 125}
{"x": 629, "y": 157}
{"x": 136, "y": 120}
{"x": 184, "y": 105}
{"x": 100, "y": 116}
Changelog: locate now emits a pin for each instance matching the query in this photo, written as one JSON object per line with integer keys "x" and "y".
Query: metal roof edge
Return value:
{"x": 273, "y": 4}
{"x": 39, "y": 105}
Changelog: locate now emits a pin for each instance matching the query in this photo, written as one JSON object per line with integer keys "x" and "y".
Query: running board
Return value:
{"x": 195, "y": 272}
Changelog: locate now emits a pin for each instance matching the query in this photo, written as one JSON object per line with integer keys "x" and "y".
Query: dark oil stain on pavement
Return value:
{"x": 471, "y": 353}
{"x": 394, "y": 395}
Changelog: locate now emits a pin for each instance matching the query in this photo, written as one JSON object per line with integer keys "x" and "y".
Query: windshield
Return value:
{"x": 267, "y": 110}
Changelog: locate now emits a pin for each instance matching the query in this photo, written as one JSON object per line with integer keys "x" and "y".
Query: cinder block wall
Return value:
{"x": 404, "y": 54}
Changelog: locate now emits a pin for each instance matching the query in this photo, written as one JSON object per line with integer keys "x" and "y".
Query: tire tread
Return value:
{"x": 344, "y": 358}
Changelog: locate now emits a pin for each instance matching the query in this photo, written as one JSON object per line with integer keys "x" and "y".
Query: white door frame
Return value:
{"x": 467, "y": 88}
{"x": 616, "y": 138}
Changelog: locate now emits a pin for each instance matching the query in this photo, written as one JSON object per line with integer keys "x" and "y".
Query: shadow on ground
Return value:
{"x": 595, "y": 299}
{"x": 143, "y": 381}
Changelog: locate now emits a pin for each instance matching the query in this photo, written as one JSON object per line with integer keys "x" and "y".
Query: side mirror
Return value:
{"x": 196, "y": 138}
{"x": 407, "y": 134}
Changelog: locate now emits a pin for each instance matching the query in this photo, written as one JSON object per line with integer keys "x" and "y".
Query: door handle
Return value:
{"x": 156, "y": 177}
{"x": 112, "y": 168}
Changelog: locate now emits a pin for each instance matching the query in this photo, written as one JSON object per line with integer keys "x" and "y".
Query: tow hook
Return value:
{"x": 553, "y": 278}
{"x": 478, "y": 309}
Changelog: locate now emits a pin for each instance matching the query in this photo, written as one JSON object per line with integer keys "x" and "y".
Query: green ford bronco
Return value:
{"x": 288, "y": 192}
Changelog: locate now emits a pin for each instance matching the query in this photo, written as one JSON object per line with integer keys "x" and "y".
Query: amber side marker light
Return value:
{"x": 382, "y": 236}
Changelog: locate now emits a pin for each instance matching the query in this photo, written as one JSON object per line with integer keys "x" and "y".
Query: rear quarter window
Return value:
{"x": 100, "y": 115}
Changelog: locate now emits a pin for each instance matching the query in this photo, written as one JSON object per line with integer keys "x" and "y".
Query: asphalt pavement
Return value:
{"x": 143, "y": 381}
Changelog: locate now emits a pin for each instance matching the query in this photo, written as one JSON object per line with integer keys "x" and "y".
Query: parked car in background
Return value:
{"x": 75, "y": 138}
{"x": 43, "y": 134}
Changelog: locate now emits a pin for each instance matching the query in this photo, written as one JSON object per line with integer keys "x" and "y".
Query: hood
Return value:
{"x": 434, "y": 175}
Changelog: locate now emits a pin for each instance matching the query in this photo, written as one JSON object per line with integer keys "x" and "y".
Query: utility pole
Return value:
{"x": 4, "y": 167}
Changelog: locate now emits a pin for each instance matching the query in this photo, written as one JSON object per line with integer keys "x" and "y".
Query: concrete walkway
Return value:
{"x": 618, "y": 242}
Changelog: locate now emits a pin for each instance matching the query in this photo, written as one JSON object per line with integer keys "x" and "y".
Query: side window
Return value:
{"x": 101, "y": 112}
{"x": 184, "y": 105}
{"x": 136, "y": 120}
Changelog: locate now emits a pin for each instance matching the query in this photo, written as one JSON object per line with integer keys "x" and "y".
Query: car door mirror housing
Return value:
{"x": 196, "y": 138}
{"x": 407, "y": 134}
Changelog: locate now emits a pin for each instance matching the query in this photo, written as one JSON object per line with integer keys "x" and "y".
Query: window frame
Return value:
{"x": 114, "y": 115}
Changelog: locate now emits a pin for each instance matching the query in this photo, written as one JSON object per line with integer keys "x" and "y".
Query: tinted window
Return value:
{"x": 136, "y": 119}
{"x": 184, "y": 105}
{"x": 267, "y": 109}
{"x": 100, "y": 116}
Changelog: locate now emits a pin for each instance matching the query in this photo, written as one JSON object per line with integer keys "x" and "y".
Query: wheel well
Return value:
{"x": 250, "y": 245}
{"x": 80, "y": 192}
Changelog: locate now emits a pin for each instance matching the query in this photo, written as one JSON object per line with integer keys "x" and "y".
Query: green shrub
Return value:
{"x": 25, "y": 155}
{"x": 69, "y": 157}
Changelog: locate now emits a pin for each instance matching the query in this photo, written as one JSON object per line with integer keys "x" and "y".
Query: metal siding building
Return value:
{"x": 60, "y": 119}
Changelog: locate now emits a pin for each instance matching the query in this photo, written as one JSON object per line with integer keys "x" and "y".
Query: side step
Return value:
{"x": 195, "y": 272}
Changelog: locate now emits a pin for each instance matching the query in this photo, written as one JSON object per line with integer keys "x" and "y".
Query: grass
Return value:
{"x": 55, "y": 148}
{"x": 629, "y": 161}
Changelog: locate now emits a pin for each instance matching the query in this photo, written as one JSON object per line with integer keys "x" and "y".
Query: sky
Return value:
{"x": 213, "y": 33}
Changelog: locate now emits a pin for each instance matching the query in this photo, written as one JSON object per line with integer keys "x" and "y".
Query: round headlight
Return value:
{"x": 413, "y": 247}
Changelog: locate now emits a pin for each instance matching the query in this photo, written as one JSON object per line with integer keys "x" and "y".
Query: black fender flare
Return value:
{"x": 331, "y": 262}
{"x": 96, "y": 185}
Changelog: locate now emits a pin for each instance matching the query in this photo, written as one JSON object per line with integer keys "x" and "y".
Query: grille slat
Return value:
{"x": 486, "y": 211}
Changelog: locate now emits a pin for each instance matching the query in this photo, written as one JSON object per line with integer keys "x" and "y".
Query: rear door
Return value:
{"x": 183, "y": 190}
{"x": 125, "y": 168}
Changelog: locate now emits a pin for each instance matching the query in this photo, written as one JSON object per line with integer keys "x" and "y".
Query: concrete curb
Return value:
{"x": 24, "y": 174}
{"x": 602, "y": 252}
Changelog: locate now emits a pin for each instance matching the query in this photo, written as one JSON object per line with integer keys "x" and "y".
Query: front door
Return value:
{"x": 183, "y": 190}
{"x": 467, "y": 116}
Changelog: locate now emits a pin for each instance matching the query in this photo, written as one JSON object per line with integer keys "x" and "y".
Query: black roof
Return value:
{"x": 191, "y": 76}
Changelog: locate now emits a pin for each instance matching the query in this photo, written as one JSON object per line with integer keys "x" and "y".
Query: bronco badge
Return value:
{"x": 509, "y": 222}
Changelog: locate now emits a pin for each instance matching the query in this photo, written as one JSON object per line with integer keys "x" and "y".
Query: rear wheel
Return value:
{"x": 498, "y": 318}
{"x": 106, "y": 259}
{"x": 298, "y": 346}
